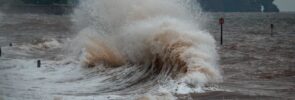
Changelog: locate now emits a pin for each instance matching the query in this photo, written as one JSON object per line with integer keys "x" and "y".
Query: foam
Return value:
{"x": 160, "y": 43}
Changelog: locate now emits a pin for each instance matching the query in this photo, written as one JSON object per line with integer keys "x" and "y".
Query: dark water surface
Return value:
{"x": 256, "y": 65}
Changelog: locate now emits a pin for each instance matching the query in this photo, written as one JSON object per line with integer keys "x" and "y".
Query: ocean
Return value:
{"x": 84, "y": 58}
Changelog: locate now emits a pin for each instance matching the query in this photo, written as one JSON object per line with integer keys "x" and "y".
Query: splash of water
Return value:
{"x": 145, "y": 44}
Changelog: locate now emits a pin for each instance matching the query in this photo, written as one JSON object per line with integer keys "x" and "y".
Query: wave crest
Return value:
{"x": 163, "y": 42}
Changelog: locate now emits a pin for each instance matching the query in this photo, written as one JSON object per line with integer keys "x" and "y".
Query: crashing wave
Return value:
{"x": 158, "y": 40}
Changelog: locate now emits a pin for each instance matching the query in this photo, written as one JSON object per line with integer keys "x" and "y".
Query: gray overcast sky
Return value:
{"x": 286, "y": 5}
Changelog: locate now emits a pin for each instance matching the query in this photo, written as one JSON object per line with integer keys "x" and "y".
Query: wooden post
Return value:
{"x": 221, "y": 22}
{"x": 0, "y": 51}
{"x": 271, "y": 29}
{"x": 39, "y": 63}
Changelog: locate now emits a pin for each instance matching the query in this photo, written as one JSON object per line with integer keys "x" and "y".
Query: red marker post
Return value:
{"x": 221, "y": 22}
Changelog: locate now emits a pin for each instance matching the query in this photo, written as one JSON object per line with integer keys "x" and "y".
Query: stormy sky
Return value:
{"x": 286, "y": 5}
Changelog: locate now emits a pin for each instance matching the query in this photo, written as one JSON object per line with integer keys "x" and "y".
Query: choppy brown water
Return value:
{"x": 256, "y": 66}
